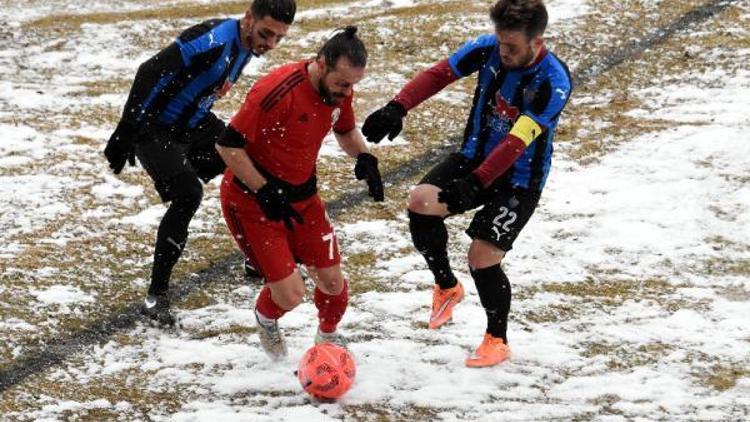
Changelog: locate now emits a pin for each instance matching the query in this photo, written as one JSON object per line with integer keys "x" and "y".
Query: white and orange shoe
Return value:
{"x": 443, "y": 301}
{"x": 491, "y": 352}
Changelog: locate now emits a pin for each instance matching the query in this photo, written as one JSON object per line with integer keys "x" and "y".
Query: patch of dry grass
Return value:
{"x": 607, "y": 403}
{"x": 604, "y": 294}
{"x": 592, "y": 128}
{"x": 233, "y": 330}
{"x": 623, "y": 357}
{"x": 174, "y": 12}
{"x": 552, "y": 313}
{"x": 722, "y": 377}
{"x": 712, "y": 372}
{"x": 375, "y": 413}
{"x": 725, "y": 266}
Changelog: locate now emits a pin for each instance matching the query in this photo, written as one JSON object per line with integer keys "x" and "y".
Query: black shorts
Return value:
{"x": 165, "y": 154}
{"x": 505, "y": 209}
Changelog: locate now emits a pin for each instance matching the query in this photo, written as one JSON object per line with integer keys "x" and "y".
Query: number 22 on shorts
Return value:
{"x": 505, "y": 225}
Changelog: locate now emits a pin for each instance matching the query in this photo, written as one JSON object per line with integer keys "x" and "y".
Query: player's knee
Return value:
{"x": 187, "y": 191}
{"x": 290, "y": 297}
{"x": 422, "y": 199}
{"x": 332, "y": 285}
{"x": 483, "y": 254}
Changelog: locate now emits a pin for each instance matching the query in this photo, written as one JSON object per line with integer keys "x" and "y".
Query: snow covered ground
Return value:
{"x": 631, "y": 282}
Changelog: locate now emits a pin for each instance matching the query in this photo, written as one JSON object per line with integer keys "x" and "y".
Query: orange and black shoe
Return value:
{"x": 443, "y": 301}
{"x": 491, "y": 352}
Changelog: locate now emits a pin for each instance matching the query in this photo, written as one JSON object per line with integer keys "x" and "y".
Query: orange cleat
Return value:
{"x": 443, "y": 302}
{"x": 491, "y": 352}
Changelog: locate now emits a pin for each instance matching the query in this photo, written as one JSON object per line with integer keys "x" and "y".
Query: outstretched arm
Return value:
{"x": 426, "y": 84}
{"x": 388, "y": 120}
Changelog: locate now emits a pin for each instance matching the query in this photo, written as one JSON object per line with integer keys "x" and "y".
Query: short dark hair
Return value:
{"x": 529, "y": 16}
{"x": 344, "y": 42}
{"x": 280, "y": 10}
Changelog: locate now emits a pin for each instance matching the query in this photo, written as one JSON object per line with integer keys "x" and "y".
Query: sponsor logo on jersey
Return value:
{"x": 503, "y": 109}
{"x": 504, "y": 115}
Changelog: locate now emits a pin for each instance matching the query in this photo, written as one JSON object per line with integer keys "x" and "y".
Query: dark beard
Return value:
{"x": 526, "y": 61}
{"x": 325, "y": 95}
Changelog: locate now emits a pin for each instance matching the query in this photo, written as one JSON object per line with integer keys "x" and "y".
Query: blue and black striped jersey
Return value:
{"x": 178, "y": 86}
{"x": 539, "y": 91}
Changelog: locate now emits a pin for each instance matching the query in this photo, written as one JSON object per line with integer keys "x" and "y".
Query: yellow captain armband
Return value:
{"x": 526, "y": 129}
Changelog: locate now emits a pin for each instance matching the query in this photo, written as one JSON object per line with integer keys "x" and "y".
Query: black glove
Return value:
{"x": 275, "y": 204}
{"x": 121, "y": 146}
{"x": 385, "y": 121}
{"x": 460, "y": 194}
{"x": 202, "y": 153}
{"x": 367, "y": 169}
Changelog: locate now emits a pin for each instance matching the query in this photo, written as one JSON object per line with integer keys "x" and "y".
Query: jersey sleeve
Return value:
{"x": 199, "y": 39}
{"x": 472, "y": 55}
{"x": 153, "y": 75}
{"x": 426, "y": 84}
{"x": 346, "y": 122}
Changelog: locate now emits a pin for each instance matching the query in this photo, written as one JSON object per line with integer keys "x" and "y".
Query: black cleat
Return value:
{"x": 252, "y": 274}
{"x": 156, "y": 307}
{"x": 251, "y": 271}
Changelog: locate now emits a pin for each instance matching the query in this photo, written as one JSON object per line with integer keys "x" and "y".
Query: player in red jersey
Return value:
{"x": 269, "y": 192}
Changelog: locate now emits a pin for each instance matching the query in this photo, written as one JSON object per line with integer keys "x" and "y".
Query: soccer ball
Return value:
{"x": 326, "y": 371}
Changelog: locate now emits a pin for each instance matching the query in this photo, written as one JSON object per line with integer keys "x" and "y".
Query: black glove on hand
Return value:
{"x": 367, "y": 169}
{"x": 384, "y": 121}
{"x": 275, "y": 205}
{"x": 460, "y": 195}
{"x": 121, "y": 147}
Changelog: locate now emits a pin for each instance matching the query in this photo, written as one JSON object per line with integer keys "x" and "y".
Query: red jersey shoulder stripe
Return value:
{"x": 282, "y": 89}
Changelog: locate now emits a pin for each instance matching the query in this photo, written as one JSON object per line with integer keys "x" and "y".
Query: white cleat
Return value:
{"x": 334, "y": 337}
{"x": 271, "y": 339}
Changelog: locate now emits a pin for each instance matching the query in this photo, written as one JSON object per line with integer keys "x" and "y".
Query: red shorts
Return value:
{"x": 269, "y": 244}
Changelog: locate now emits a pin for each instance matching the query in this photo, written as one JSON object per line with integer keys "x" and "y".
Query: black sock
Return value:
{"x": 173, "y": 233}
{"x": 494, "y": 293}
{"x": 430, "y": 237}
{"x": 166, "y": 254}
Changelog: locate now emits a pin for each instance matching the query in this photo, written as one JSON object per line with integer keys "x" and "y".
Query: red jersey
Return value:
{"x": 284, "y": 122}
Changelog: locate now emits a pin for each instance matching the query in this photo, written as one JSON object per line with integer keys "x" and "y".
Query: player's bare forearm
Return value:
{"x": 352, "y": 143}
{"x": 238, "y": 161}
